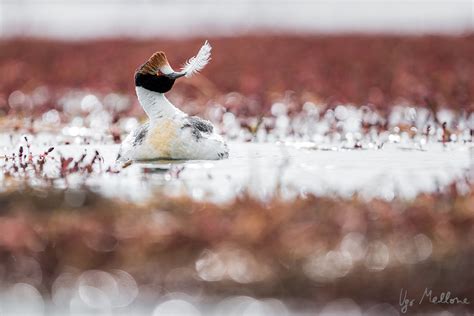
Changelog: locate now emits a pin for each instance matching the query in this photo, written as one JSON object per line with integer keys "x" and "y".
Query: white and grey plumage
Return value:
{"x": 170, "y": 133}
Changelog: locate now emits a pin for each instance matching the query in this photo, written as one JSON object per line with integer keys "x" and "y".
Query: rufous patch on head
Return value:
{"x": 154, "y": 63}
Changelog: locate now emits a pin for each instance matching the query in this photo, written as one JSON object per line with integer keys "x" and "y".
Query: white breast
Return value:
{"x": 168, "y": 135}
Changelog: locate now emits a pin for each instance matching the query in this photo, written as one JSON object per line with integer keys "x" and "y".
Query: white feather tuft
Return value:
{"x": 198, "y": 62}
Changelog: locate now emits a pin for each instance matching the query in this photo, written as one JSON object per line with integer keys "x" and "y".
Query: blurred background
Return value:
{"x": 74, "y": 19}
{"x": 375, "y": 53}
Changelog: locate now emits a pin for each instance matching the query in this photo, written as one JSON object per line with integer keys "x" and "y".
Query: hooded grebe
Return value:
{"x": 170, "y": 133}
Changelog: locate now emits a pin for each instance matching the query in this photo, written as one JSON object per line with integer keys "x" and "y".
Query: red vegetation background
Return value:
{"x": 360, "y": 69}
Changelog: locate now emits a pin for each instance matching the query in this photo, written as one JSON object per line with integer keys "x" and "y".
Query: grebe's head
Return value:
{"x": 156, "y": 74}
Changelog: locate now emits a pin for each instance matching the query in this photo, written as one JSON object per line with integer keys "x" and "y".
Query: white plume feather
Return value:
{"x": 198, "y": 62}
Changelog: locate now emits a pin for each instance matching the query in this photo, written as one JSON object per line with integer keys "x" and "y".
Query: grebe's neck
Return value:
{"x": 155, "y": 104}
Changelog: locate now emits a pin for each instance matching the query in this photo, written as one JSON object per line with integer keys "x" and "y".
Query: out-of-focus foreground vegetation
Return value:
{"x": 312, "y": 248}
